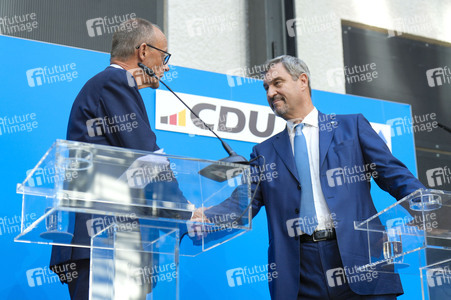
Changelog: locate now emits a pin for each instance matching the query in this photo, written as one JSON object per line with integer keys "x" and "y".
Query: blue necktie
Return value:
{"x": 301, "y": 157}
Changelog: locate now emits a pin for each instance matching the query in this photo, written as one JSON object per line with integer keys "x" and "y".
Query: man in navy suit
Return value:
{"x": 324, "y": 164}
{"x": 112, "y": 97}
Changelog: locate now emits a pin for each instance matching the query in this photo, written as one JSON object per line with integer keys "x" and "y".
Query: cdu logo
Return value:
{"x": 335, "y": 277}
{"x": 35, "y": 77}
{"x": 95, "y": 26}
{"x": 177, "y": 119}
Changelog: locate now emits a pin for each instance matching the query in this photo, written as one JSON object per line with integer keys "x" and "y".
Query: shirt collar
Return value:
{"x": 116, "y": 66}
{"x": 310, "y": 120}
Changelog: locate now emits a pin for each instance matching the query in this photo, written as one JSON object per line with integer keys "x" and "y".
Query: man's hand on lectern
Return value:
{"x": 196, "y": 225}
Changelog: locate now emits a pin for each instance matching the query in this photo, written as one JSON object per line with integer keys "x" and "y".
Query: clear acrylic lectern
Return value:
{"x": 413, "y": 237}
{"x": 132, "y": 209}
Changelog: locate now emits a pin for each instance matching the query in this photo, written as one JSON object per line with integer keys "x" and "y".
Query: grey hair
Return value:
{"x": 294, "y": 66}
{"x": 129, "y": 35}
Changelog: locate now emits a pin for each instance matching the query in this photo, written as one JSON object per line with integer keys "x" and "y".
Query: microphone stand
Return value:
{"x": 447, "y": 129}
{"x": 216, "y": 172}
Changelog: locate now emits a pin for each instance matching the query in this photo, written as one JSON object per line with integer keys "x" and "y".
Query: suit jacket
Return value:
{"x": 110, "y": 97}
{"x": 346, "y": 141}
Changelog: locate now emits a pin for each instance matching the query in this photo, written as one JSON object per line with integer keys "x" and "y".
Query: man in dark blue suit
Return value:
{"x": 112, "y": 97}
{"x": 324, "y": 164}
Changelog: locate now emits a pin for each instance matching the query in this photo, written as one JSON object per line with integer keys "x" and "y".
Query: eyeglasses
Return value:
{"x": 165, "y": 58}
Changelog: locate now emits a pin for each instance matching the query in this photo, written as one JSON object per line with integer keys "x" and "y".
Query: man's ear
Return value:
{"x": 142, "y": 52}
{"x": 304, "y": 79}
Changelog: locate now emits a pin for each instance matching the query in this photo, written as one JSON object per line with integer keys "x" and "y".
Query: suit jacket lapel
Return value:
{"x": 282, "y": 145}
{"x": 326, "y": 132}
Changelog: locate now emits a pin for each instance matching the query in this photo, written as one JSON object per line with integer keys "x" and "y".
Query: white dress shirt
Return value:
{"x": 311, "y": 133}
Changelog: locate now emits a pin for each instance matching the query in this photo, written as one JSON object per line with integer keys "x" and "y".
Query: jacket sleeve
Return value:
{"x": 237, "y": 203}
{"x": 392, "y": 175}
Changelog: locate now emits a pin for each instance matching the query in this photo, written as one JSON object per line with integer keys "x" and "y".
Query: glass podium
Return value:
{"x": 132, "y": 209}
{"x": 413, "y": 237}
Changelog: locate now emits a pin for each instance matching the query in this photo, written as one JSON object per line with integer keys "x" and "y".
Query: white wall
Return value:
{"x": 212, "y": 35}
{"x": 207, "y": 35}
{"x": 320, "y": 40}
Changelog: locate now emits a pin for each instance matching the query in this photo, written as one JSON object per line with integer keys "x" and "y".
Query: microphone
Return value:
{"x": 216, "y": 172}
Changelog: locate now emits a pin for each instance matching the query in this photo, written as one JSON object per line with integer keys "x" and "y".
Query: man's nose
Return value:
{"x": 271, "y": 92}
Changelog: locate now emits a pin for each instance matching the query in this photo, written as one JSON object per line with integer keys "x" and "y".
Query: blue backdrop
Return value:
{"x": 42, "y": 112}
